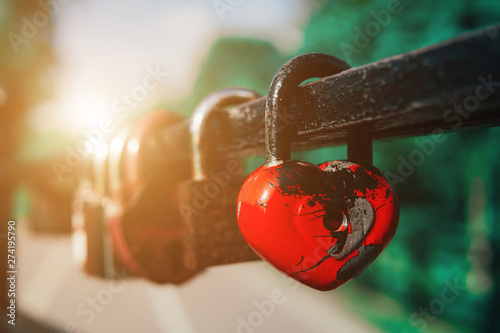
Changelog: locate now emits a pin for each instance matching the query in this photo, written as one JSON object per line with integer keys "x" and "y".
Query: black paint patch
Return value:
{"x": 357, "y": 264}
{"x": 308, "y": 179}
{"x": 326, "y": 187}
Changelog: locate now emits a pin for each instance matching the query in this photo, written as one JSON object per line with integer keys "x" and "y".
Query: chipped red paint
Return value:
{"x": 292, "y": 216}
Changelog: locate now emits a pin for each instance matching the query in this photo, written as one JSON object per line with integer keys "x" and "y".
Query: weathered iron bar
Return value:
{"x": 448, "y": 86}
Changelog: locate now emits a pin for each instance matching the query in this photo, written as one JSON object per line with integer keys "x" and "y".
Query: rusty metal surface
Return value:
{"x": 405, "y": 95}
{"x": 212, "y": 236}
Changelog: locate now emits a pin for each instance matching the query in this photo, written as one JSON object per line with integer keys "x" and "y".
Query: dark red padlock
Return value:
{"x": 145, "y": 228}
{"x": 320, "y": 225}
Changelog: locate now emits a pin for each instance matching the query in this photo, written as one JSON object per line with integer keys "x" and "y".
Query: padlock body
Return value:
{"x": 291, "y": 215}
{"x": 211, "y": 229}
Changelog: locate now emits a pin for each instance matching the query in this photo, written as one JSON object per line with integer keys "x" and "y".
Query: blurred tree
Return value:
{"x": 235, "y": 62}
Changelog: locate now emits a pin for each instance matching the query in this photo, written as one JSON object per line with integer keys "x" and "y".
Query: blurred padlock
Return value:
{"x": 145, "y": 225}
{"x": 135, "y": 215}
{"x": 207, "y": 202}
{"x": 125, "y": 216}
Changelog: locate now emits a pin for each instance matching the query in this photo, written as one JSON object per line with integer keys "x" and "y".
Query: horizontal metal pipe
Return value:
{"x": 451, "y": 85}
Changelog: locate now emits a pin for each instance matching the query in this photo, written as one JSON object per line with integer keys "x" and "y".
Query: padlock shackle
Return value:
{"x": 279, "y": 99}
{"x": 198, "y": 124}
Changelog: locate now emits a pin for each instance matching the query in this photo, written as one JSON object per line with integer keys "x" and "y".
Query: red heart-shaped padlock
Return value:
{"x": 320, "y": 225}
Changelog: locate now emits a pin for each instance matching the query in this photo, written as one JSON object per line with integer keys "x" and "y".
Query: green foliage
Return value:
{"x": 235, "y": 62}
{"x": 414, "y": 24}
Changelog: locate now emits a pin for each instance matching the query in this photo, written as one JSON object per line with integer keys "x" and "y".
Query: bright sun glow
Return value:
{"x": 88, "y": 113}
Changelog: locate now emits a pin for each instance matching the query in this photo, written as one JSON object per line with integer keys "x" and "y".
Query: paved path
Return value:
{"x": 234, "y": 298}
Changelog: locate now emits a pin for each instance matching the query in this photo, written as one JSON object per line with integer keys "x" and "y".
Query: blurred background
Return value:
{"x": 67, "y": 64}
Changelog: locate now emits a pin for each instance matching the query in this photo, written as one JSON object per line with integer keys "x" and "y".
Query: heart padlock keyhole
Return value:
{"x": 335, "y": 220}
